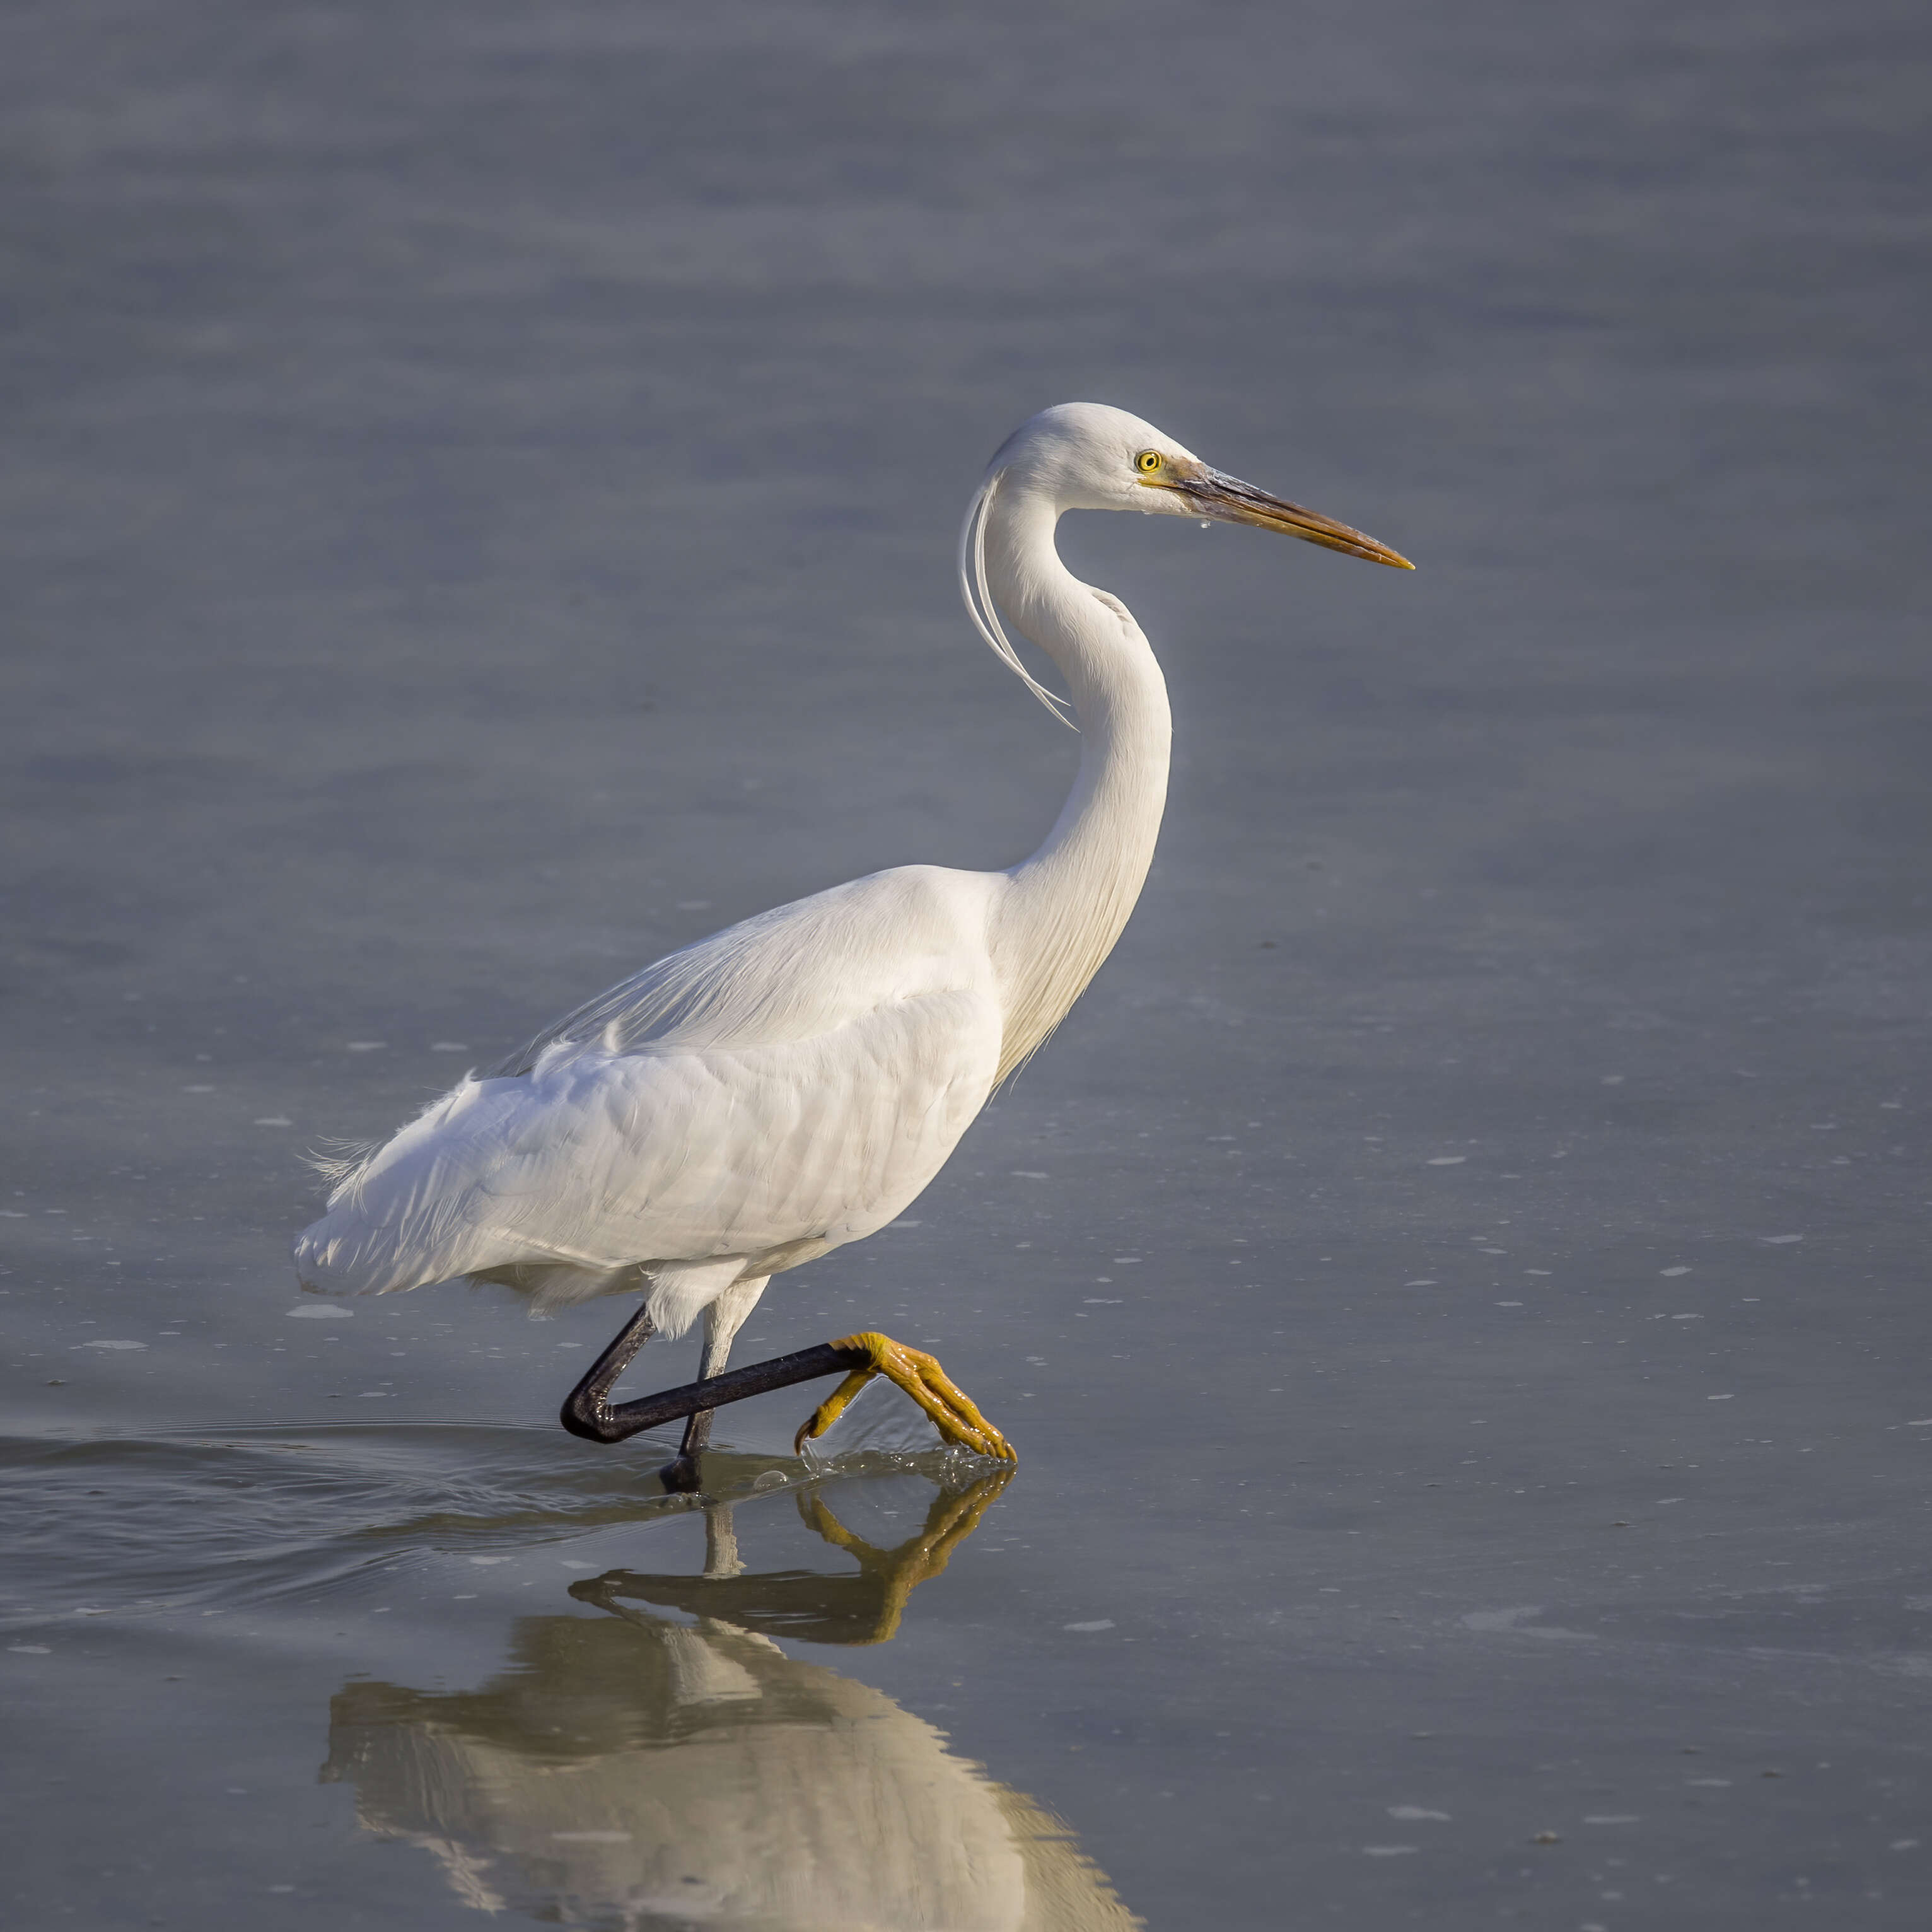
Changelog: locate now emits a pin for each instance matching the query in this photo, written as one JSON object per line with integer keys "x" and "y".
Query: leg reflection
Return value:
{"x": 840, "y": 1607}
{"x": 634, "y": 1770}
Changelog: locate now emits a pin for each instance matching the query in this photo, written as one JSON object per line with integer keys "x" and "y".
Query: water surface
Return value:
{"x": 480, "y": 489}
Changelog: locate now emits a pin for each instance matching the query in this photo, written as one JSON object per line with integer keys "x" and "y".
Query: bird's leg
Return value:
{"x": 920, "y": 1376}
{"x": 586, "y": 1410}
{"x": 589, "y": 1411}
{"x": 722, "y": 1321}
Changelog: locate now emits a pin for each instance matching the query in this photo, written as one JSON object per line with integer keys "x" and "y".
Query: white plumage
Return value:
{"x": 760, "y": 1143}
{"x": 794, "y": 1083}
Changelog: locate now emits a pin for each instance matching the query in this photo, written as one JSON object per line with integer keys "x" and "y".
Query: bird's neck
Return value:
{"x": 1065, "y": 906}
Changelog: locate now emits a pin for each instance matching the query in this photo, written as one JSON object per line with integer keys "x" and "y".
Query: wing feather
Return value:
{"x": 794, "y": 972}
{"x": 606, "y": 1160}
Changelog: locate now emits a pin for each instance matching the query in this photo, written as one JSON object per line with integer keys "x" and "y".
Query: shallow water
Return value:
{"x": 481, "y": 487}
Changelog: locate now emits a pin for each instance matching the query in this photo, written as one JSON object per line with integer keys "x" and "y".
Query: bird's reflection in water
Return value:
{"x": 634, "y": 1771}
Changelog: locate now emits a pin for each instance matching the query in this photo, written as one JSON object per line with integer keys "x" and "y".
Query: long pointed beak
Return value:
{"x": 1228, "y": 500}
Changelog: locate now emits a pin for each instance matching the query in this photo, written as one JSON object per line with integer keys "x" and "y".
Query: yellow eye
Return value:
{"x": 1148, "y": 462}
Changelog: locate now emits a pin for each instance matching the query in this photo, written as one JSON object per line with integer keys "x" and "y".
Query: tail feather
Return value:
{"x": 339, "y": 1163}
{"x": 406, "y": 1213}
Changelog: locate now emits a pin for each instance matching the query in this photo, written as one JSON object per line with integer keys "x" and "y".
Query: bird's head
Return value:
{"x": 1087, "y": 456}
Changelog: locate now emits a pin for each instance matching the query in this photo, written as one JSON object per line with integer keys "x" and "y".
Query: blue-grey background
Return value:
{"x": 476, "y": 507}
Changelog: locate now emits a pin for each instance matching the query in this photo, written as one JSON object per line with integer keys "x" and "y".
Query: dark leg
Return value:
{"x": 586, "y": 1412}
{"x": 589, "y": 1411}
{"x": 681, "y": 1472}
{"x": 722, "y": 1320}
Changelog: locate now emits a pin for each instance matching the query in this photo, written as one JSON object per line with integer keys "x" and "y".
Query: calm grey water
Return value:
{"x": 480, "y": 483}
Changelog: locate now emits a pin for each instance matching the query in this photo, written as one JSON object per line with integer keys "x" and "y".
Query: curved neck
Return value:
{"x": 1065, "y": 906}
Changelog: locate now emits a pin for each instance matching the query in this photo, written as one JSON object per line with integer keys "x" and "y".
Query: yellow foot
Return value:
{"x": 922, "y": 1378}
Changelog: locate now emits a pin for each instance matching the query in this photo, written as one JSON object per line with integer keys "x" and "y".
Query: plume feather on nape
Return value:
{"x": 978, "y": 598}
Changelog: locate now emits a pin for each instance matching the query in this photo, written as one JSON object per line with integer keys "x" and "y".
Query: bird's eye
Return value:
{"x": 1148, "y": 462}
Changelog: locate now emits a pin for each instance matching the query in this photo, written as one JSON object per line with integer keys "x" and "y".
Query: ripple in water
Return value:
{"x": 196, "y": 1520}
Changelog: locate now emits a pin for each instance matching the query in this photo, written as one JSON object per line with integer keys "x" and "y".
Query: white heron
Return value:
{"x": 793, "y": 1082}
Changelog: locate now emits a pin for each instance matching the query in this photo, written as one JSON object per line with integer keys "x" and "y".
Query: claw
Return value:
{"x": 920, "y": 1376}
